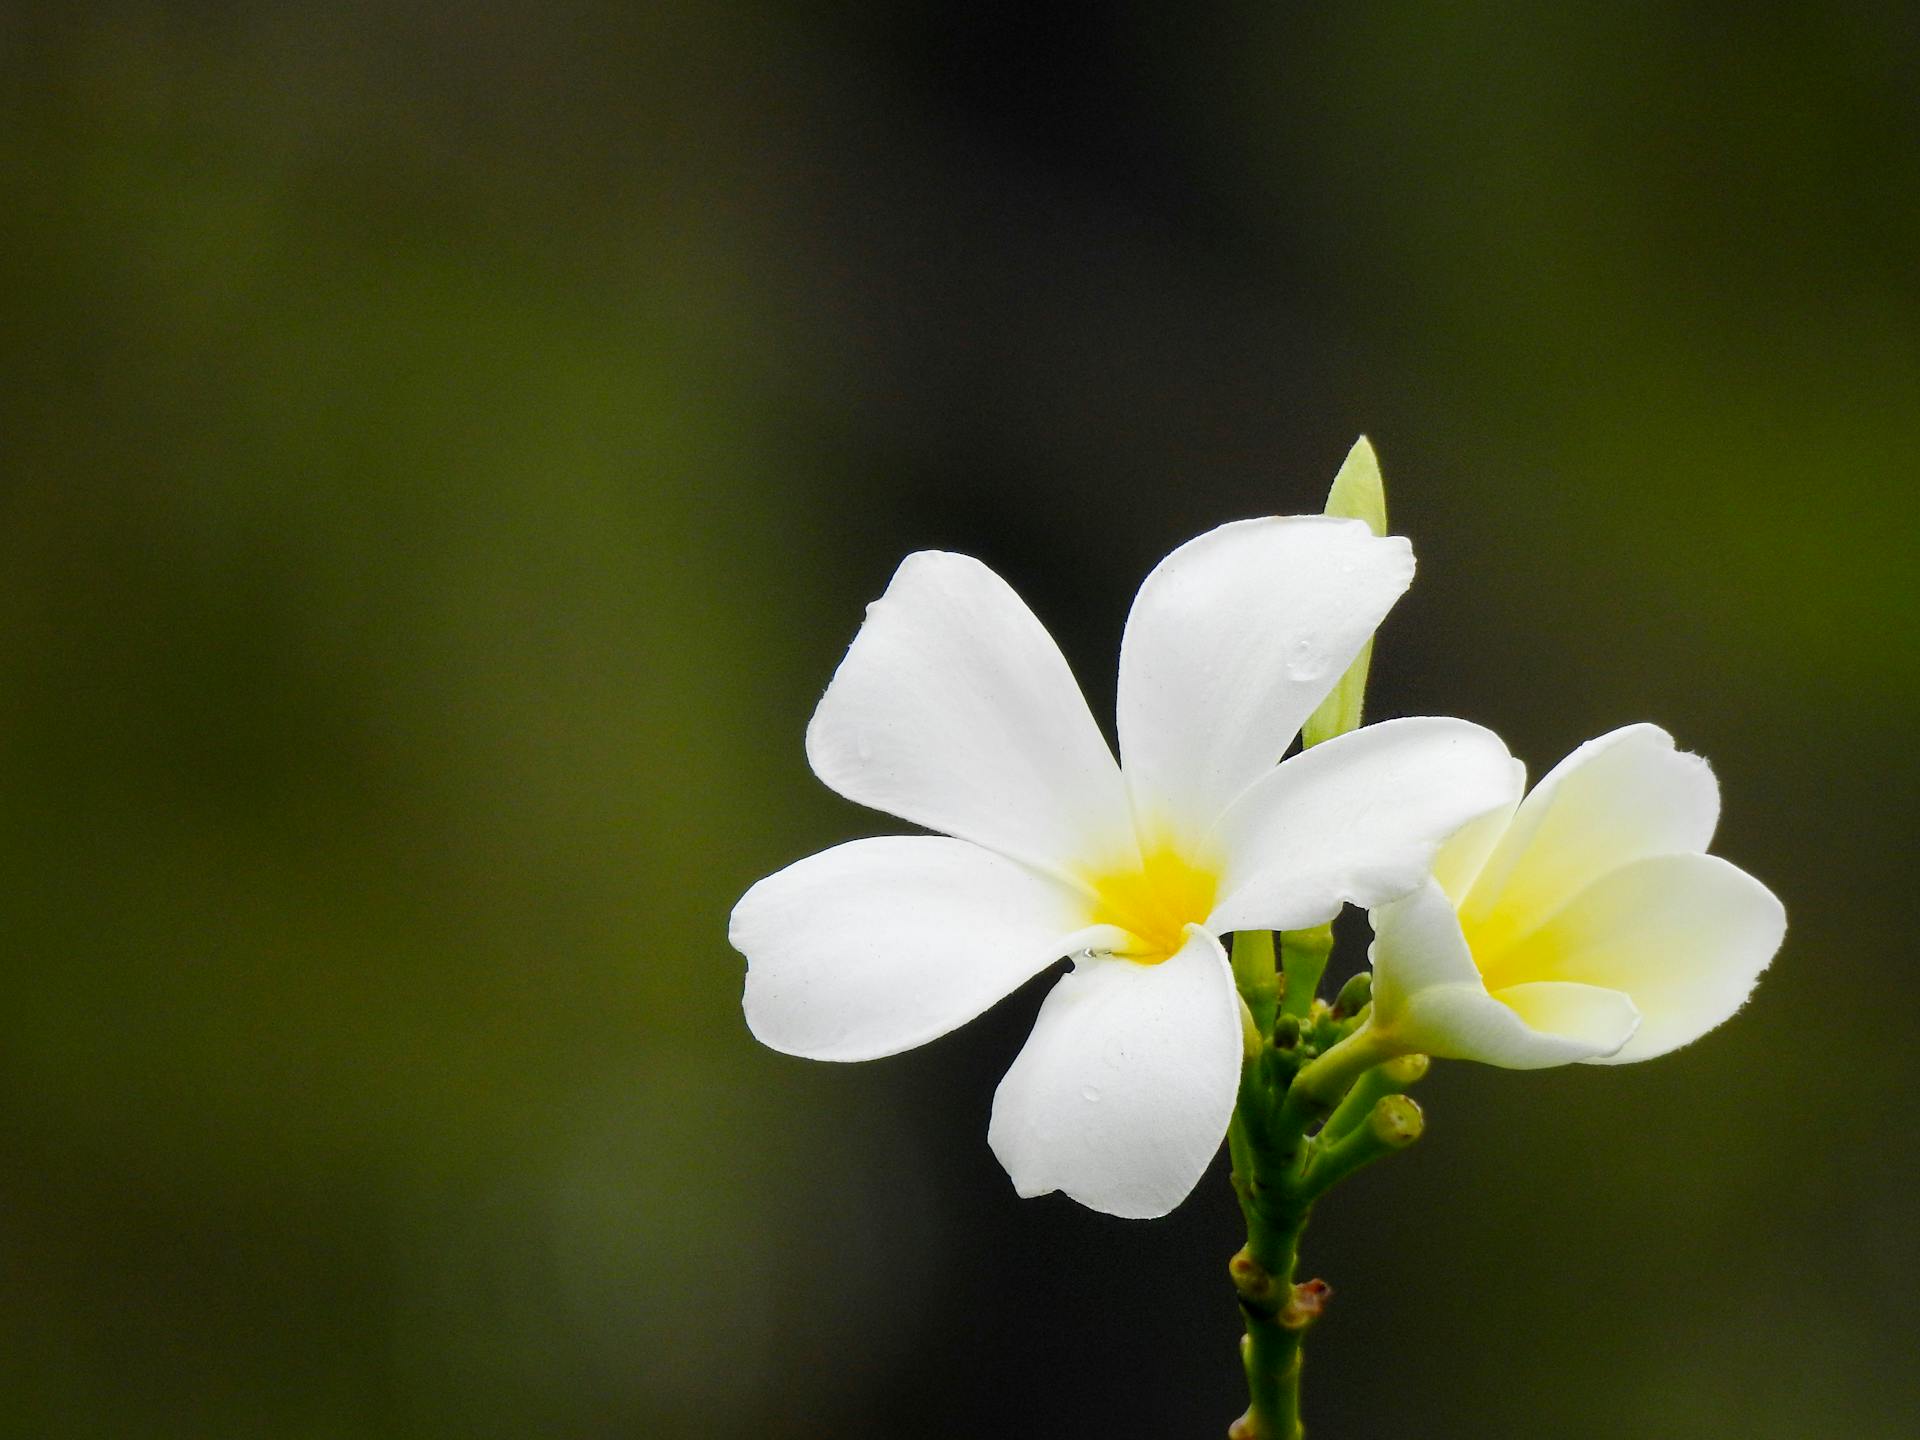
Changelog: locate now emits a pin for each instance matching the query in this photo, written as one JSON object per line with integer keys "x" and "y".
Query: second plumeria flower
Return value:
{"x": 1583, "y": 923}
{"x": 955, "y": 710}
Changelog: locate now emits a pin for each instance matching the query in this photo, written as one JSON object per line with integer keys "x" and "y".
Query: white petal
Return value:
{"x": 1124, "y": 1089}
{"x": 1428, "y": 993}
{"x": 1616, "y": 799}
{"x": 1685, "y": 935}
{"x": 1233, "y": 640}
{"x": 954, "y": 709}
{"x": 1356, "y": 819}
{"x": 879, "y": 945}
{"x": 1417, "y": 945}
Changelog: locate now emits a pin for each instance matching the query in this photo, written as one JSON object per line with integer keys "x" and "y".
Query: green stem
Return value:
{"x": 1329, "y": 1077}
{"x": 1276, "y": 1311}
{"x": 1303, "y": 959}
{"x": 1388, "y": 1079}
{"x": 1356, "y": 1115}
{"x": 1254, "y": 976}
{"x": 1271, "y": 1152}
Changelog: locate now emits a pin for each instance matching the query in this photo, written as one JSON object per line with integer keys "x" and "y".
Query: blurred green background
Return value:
{"x": 444, "y": 451}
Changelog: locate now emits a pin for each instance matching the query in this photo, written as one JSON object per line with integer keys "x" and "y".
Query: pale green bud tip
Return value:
{"x": 1354, "y": 995}
{"x": 1358, "y": 492}
{"x": 1396, "y": 1121}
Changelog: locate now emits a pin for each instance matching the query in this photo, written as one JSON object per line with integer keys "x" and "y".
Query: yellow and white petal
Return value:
{"x": 1429, "y": 996}
{"x": 1623, "y": 796}
{"x": 1357, "y": 819}
{"x": 955, "y": 710}
{"x": 1123, "y": 1092}
{"x": 1232, "y": 641}
{"x": 1460, "y": 860}
{"x": 1686, "y": 936}
{"x": 880, "y": 945}
{"x": 1595, "y": 1018}
{"x": 1464, "y": 1022}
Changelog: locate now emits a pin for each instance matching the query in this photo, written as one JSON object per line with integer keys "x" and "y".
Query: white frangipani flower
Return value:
{"x": 955, "y": 710}
{"x": 1585, "y": 922}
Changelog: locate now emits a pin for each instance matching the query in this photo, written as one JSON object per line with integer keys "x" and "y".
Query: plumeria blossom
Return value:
{"x": 1583, "y": 923}
{"x": 954, "y": 710}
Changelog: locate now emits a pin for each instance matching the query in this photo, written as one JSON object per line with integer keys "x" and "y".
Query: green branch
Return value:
{"x": 1304, "y": 1121}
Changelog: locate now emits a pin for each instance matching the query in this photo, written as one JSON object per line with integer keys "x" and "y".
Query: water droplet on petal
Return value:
{"x": 1090, "y": 1094}
{"x": 1303, "y": 663}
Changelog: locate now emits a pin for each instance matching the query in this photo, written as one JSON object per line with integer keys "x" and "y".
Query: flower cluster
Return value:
{"x": 1583, "y": 922}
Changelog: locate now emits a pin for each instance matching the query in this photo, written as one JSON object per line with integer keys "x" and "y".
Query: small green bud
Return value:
{"x": 1396, "y": 1121}
{"x": 1286, "y": 1031}
{"x": 1354, "y": 995}
{"x": 1387, "y": 1078}
{"x": 1392, "y": 1123}
{"x": 1358, "y": 494}
{"x": 1323, "y": 1026}
{"x": 1406, "y": 1070}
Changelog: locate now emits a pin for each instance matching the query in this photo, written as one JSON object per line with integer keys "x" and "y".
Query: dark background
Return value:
{"x": 444, "y": 450}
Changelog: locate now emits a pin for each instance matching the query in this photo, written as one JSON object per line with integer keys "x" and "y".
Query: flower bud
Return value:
{"x": 1393, "y": 1123}
{"x": 1405, "y": 1070}
{"x": 1354, "y": 995}
{"x": 1396, "y": 1121}
{"x": 1358, "y": 494}
{"x": 1387, "y": 1078}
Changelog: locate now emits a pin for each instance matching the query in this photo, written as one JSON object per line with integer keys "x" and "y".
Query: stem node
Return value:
{"x": 1306, "y": 1305}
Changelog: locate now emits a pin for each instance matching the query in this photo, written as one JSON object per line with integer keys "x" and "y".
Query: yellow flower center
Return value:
{"x": 1156, "y": 902}
{"x": 1490, "y": 938}
{"x": 1508, "y": 950}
